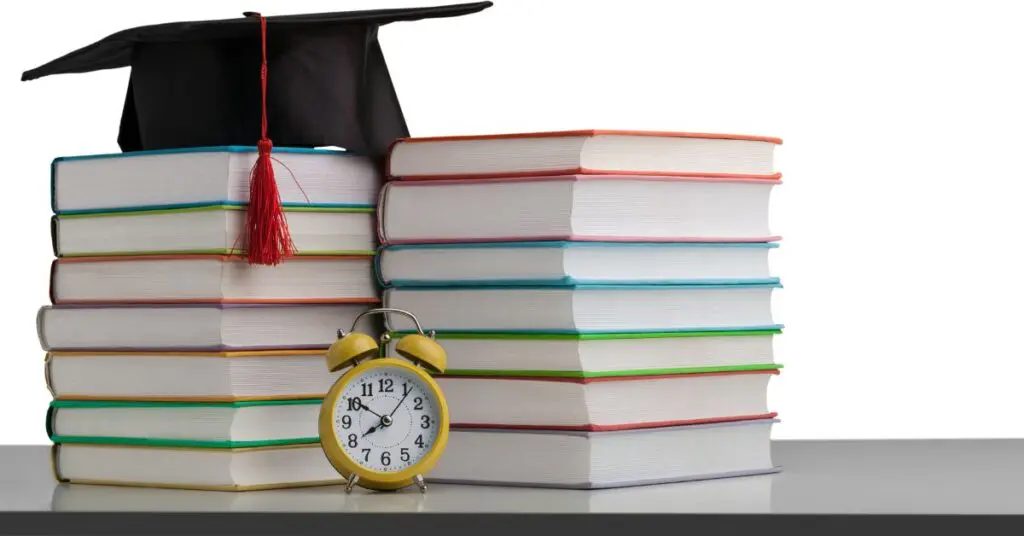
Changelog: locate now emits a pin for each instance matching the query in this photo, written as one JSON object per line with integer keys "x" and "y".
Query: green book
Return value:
{"x": 601, "y": 355}
{"x": 185, "y": 424}
{"x": 212, "y": 229}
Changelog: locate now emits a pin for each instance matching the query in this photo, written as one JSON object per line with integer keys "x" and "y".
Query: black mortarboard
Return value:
{"x": 299, "y": 81}
{"x": 198, "y": 83}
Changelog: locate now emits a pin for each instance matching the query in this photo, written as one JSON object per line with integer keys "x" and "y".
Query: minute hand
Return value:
{"x": 399, "y": 404}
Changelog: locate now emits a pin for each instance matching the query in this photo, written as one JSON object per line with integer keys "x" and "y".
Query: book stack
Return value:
{"x": 186, "y": 339}
{"x": 604, "y": 298}
{"x": 173, "y": 361}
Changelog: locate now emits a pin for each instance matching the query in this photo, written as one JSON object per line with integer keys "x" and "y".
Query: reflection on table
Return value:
{"x": 744, "y": 494}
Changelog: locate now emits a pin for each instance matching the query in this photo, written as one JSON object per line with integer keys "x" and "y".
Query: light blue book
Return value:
{"x": 569, "y": 263}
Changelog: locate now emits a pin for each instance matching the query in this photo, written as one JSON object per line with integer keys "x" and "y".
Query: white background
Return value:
{"x": 900, "y": 209}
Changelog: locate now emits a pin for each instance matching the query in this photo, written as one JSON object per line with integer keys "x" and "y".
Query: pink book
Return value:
{"x": 577, "y": 207}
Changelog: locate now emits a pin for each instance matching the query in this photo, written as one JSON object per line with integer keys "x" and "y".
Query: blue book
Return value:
{"x": 568, "y": 263}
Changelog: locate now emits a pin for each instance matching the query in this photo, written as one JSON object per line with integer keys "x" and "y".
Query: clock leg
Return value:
{"x": 351, "y": 483}
{"x": 420, "y": 483}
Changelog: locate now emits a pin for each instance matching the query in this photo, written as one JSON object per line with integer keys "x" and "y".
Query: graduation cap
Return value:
{"x": 308, "y": 80}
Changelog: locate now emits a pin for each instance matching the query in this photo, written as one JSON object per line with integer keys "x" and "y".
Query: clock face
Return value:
{"x": 387, "y": 419}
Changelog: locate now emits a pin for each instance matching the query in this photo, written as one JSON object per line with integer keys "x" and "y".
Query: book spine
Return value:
{"x": 382, "y": 200}
{"x": 51, "y": 419}
{"x": 48, "y": 374}
{"x": 41, "y": 327}
{"x": 53, "y": 282}
{"x": 55, "y": 463}
{"x": 54, "y": 232}
{"x": 378, "y": 274}
{"x": 53, "y": 185}
{"x": 385, "y": 299}
{"x": 387, "y": 158}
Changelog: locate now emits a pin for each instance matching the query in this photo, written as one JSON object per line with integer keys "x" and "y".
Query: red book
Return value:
{"x": 605, "y": 404}
{"x": 584, "y": 152}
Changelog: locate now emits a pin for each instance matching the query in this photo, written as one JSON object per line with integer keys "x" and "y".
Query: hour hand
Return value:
{"x": 371, "y": 411}
{"x": 371, "y": 430}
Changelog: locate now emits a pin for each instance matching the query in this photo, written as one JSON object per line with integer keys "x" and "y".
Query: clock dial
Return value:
{"x": 387, "y": 419}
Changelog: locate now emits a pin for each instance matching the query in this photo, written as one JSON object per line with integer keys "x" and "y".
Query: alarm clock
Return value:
{"x": 384, "y": 422}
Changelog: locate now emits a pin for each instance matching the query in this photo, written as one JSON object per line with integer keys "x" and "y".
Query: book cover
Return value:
{"x": 578, "y": 170}
{"x": 528, "y": 179}
{"x": 624, "y": 247}
{"x": 171, "y": 159}
{"x": 225, "y": 247}
{"x": 618, "y": 427}
{"x": 226, "y": 261}
{"x": 449, "y": 470}
{"x": 57, "y": 405}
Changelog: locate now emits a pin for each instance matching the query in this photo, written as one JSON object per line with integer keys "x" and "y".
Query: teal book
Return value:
{"x": 567, "y": 263}
{"x": 198, "y": 424}
{"x": 585, "y": 308}
{"x": 205, "y": 176}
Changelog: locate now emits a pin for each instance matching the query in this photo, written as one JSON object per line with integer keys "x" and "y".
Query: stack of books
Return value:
{"x": 172, "y": 361}
{"x": 604, "y": 298}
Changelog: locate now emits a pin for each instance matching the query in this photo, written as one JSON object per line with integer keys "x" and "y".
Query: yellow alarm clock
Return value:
{"x": 384, "y": 423}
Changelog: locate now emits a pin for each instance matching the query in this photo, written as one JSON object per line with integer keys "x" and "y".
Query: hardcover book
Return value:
{"x": 196, "y": 327}
{"x": 603, "y": 208}
{"x": 187, "y": 376}
{"x": 212, "y": 229}
{"x": 585, "y": 308}
{"x": 599, "y": 355}
{"x": 595, "y": 460}
{"x": 169, "y": 279}
{"x": 561, "y": 263}
{"x": 593, "y": 152}
{"x": 203, "y": 176}
{"x": 609, "y": 403}
{"x": 215, "y": 469}
{"x": 258, "y": 423}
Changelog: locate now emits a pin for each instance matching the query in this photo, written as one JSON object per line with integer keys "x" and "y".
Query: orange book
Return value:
{"x": 212, "y": 279}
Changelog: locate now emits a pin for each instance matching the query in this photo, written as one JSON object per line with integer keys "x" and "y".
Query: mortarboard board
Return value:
{"x": 300, "y": 80}
{"x": 198, "y": 83}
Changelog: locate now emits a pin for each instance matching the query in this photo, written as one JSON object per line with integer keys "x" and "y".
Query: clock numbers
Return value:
{"x": 387, "y": 420}
{"x": 355, "y": 404}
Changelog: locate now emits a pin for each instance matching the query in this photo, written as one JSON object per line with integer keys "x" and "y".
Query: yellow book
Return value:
{"x": 236, "y": 469}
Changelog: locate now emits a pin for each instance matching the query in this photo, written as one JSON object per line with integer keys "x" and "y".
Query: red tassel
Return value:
{"x": 269, "y": 241}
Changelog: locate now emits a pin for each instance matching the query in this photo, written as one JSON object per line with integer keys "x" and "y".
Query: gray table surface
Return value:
{"x": 818, "y": 477}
